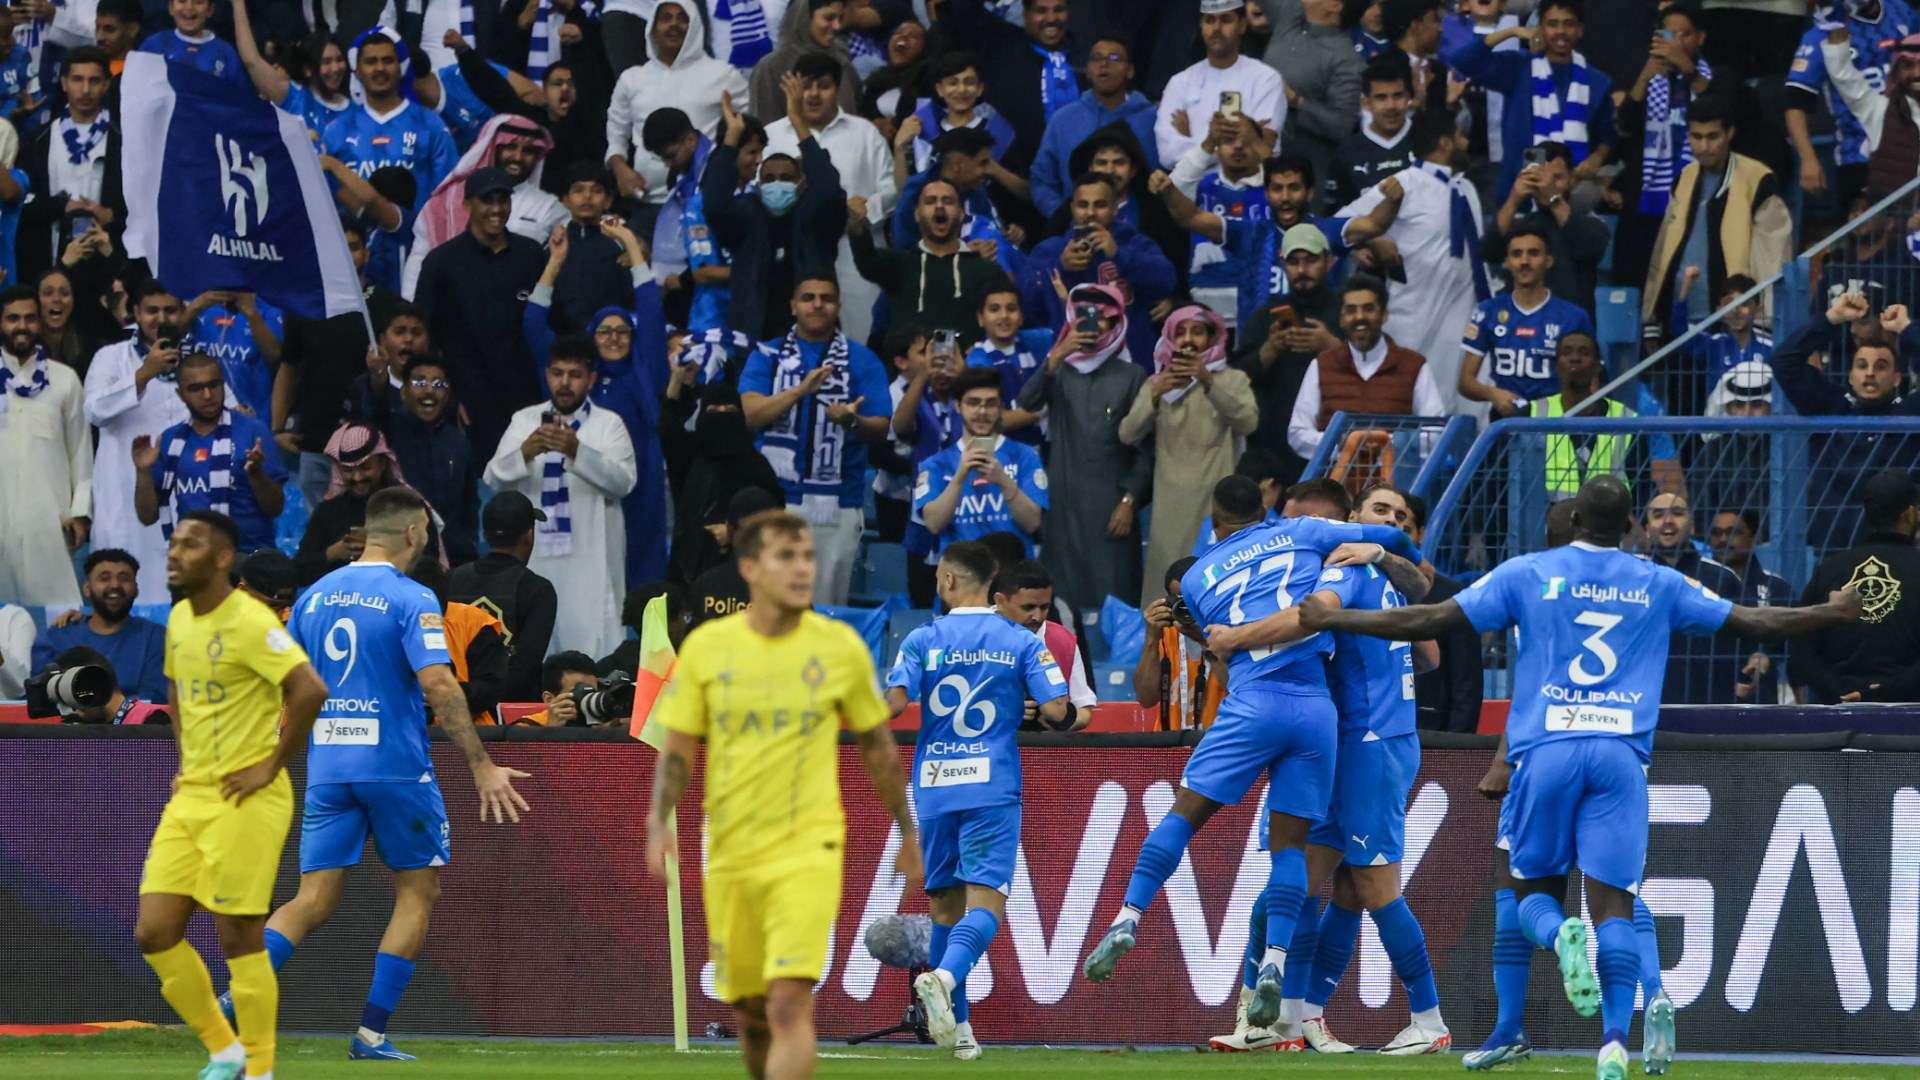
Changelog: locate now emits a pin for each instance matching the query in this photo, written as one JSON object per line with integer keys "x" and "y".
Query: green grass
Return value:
{"x": 173, "y": 1053}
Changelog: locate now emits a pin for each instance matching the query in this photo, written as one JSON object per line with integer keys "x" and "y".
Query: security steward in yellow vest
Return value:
{"x": 1573, "y": 459}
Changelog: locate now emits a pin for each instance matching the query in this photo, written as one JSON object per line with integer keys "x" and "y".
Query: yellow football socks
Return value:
{"x": 185, "y": 984}
{"x": 256, "y": 1004}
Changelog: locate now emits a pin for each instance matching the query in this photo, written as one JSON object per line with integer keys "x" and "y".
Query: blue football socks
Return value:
{"x": 1512, "y": 963}
{"x": 390, "y": 977}
{"x": 1158, "y": 857}
{"x": 1406, "y": 946}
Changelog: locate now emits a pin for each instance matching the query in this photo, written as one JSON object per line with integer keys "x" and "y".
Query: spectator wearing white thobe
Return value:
{"x": 46, "y": 487}
{"x": 1195, "y": 94}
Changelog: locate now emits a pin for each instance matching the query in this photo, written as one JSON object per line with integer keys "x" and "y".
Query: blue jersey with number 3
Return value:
{"x": 1265, "y": 570}
{"x": 369, "y": 630}
{"x": 972, "y": 670}
{"x": 1371, "y": 678}
{"x": 1594, "y": 625}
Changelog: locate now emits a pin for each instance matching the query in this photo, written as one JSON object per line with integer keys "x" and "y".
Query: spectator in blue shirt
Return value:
{"x": 216, "y": 459}
{"x": 192, "y": 44}
{"x": 1107, "y": 100}
{"x": 135, "y": 648}
{"x": 1735, "y": 340}
{"x": 817, "y": 399}
{"x": 986, "y": 482}
{"x": 1014, "y": 352}
{"x": 1099, "y": 249}
{"x": 243, "y": 332}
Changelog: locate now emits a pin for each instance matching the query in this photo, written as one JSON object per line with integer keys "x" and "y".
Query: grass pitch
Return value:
{"x": 172, "y": 1052}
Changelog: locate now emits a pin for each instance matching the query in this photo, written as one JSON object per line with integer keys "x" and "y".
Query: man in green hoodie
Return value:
{"x": 929, "y": 283}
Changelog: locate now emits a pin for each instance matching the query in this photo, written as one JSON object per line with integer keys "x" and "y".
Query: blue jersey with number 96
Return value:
{"x": 1265, "y": 570}
{"x": 1594, "y": 626}
{"x": 972, "y": 670}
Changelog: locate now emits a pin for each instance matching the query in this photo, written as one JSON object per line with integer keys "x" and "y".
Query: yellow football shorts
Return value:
{"x": 771, "y": 922}
{"x": 224, "y": 856}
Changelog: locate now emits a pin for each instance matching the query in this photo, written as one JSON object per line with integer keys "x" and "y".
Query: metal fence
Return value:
{"x": 1413, "y": 453}
{"x": 1793, "y": 482}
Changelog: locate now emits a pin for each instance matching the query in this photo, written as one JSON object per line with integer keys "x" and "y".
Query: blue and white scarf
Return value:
{"x": 555, "y": 535}
{"x": 1058, "y": 88}
{"x": 1666, "y": 151}
{"x": 219, "y": 480}
{"x": 34, "y": 32}
{"x": 31, "y": 385}
{"x": 1463, "y": 232}
{"x": 804, "y": 447}
{"x": 748, "y": 39}
{"x": 82, "y": 148}
{"x": 1560, "y": 121}
{"x": 467, "y": 22}
{"x": 543, "y": 48}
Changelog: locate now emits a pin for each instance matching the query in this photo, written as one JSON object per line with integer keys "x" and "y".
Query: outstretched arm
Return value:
{"x": 1398, "y": 624}
{"x": 1279, "y": 628}
{"x": 670, "y": 778}
{"x": 494, "y": 782}
{"x": 1774, "y": 623}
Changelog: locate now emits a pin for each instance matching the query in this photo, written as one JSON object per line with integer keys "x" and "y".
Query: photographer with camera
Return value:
{"x": 134, "y": 648}
{"x": 78, "y": 686}
{"x": 576, "y": 696}
{"x": 131, "y": 394}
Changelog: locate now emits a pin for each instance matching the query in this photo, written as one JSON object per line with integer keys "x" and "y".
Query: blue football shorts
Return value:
{"x": 1367, "y": 819}
{"x": 407, "y": 820}
{"x": 1288, "y": 731}
{"x": 1579, "y": 802}
{"x": 972, "y": 846}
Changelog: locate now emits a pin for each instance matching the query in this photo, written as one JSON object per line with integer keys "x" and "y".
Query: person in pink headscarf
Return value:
{"x": 362, "y": 465}
{"x": 1198, "y": 412}
{"x": 518, "y": 147}
{"x": 1092, "y": 539}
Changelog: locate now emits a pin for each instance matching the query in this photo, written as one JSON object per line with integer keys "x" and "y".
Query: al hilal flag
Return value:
{"x": 224, "y": 191}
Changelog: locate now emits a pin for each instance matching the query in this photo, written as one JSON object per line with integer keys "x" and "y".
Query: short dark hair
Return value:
{"x": 1529, "y": 228}
{"x": 1710, "y": 108}
{"x": 1178, "y": 568}
{"x": 1363, "y": 282}
{"x": 1689, "y": 8}
{"x": 1748, "y": 516}
{"x": 1326, "y": 490}
{"x": 427, "y": 361}
{"x": 562, "y": 663}
{"x": 1025, "y": 574}
{"x": 124, "y": 10}
{"x": 198, "y": 358}
{"x": 1258, "y": 463}
{"x": 973, "y": 558}
{"x": 576, "y": 347}
{"x": 396, "y": 310}
{"x": 218, "y": 522}
{"x": 1429, "y": 127}
{"x": 947, "y": 65}
{"x": 900, "y": 339}
{"x": 1008, "y": 547}
{"x": 977, "y": 378}
{"x": 152, "y": 286}
{"x": 1396, "y": 16}
{"x": 87, "y": 54}
{"x": 1087, "y": 179}
{"x": 994, "y": 286}
{"x": 1289, "y": 163}
{"x": 1556, "y": 151}
{"x": 816, "y": 273}
{"x": 1573, "y": 7}
{"x": 350, "y": 223}
{"x": 109, "y": 555}
{"x": 396, "y": 184}
{"x": 391, "y": 503}
{"x": 1735, "y": 285}
{"x": 814, "y": 64}
{"x": 1384, "y": 70}
{"x": 1416, "y": 506}
{"x": 13, "y": 294}
{"x": 1239, "y": 497}
{"x": 664, "y": 127}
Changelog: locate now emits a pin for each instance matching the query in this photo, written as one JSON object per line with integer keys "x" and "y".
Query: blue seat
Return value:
{"x": 1112, "y": 681}
{"x": 1616, "y": 325}
{"x": 901, "y": 622}
{"x": 880, "y": 572}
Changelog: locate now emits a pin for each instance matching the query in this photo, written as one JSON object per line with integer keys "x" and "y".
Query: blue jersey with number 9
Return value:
{"x": 972, "y": 670}
{"x": 1594, "y": 625}
{"x": 1265, "y": 570}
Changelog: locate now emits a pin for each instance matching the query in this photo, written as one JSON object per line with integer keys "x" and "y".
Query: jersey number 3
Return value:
{"x": 1596, "y": 643}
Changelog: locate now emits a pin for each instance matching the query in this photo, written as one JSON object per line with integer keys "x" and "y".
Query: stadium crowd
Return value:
{"x": 1041, "y": 272}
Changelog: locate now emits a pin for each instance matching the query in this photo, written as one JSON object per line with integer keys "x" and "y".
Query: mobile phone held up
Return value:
{"x": 1086, "y": 318}
{"x": 1534, "y": 156}
{"x": 1285, "y": 317}
{"x": 1230, "y": 104}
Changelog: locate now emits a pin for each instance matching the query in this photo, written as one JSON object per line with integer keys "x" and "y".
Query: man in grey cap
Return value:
{"x": 1279, "y": 340}
{"x": 473, "y": 288}
{"x": 500, "y": 584}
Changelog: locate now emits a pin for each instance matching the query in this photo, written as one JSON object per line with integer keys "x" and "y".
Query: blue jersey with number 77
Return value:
{"x": 1594, "y": 625}
{"x": 1265, "y": 570}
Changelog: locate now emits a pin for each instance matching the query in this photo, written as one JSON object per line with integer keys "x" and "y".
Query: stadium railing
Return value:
{"x": 1413, "y": 453}
{"x": 1800, "y": 476}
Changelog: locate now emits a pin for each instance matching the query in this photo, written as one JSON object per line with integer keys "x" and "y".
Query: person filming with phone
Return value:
{"x": 986, "y": 482}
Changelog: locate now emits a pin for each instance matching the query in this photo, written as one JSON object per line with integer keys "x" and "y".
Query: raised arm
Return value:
{"x": 1774, "y": 623}
{"x": 272, "y": 83}
{"x": 494, "y": 782}
{"x": 1185, "y": 212}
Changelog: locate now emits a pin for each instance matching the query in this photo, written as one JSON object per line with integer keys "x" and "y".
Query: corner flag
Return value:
{"x": 224, "y": 191}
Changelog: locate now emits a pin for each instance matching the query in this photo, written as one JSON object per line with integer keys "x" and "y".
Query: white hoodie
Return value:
{"x": 693, "y": 84}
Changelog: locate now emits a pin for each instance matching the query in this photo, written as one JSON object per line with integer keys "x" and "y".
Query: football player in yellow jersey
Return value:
{"x": 232, "y": 669}
{"x": 769, "y": 690}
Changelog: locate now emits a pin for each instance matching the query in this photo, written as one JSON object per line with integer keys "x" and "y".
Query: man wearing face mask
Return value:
{"x": 794, "y": 220}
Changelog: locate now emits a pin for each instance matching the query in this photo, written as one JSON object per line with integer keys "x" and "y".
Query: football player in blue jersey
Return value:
{"x": 1276, "y": 720}
{"x": 1515, "y": 335}
{"x": 379, "y": 642}
{"x": 973, "y": 671}
{"x": 1594, "y": 624}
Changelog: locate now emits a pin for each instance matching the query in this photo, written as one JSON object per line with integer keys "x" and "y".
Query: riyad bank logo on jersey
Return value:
{"x": 1552, "y": 590}
{"x": 245, "y": 192}
{"x": 1879, "y": 589}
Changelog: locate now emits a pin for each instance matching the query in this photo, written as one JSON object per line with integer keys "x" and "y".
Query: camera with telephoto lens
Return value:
{"x": 54, "y": 692}
{"x": 611, "y": 700}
